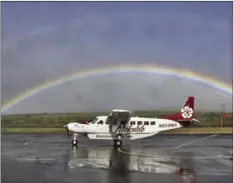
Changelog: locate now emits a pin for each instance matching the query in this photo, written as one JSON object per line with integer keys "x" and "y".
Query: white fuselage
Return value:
{"x": 135, "y": 128}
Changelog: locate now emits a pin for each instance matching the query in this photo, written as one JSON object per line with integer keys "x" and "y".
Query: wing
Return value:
{"x": 118, "y": 116}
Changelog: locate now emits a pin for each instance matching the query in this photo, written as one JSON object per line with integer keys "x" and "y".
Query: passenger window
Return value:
{"x": 132, "y": 123}
{"x": 152, "y": 123}
{"x": 115, "y": 122}
{"x": 139, "y": 122}
{"x": 107, "y": 122}
{"x": 146, "y": 123}
{"x": 100, "y": 122}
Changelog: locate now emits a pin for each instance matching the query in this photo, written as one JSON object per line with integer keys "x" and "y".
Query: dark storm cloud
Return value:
{"x": 42, "y": 41}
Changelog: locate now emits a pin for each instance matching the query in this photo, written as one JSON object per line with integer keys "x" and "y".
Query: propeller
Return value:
{"x": 67, "y": 130}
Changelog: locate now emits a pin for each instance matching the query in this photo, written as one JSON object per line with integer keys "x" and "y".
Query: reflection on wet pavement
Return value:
{"x": 59, "y": 162}
{"x": 120, "y": 162}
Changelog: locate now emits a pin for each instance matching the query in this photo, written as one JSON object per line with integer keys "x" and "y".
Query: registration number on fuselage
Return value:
{"x": 167, "y": 125}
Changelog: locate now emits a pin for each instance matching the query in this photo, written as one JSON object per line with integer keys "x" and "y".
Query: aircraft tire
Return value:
{"x": 117, "y": 143}
{"x": 74, "y": 142}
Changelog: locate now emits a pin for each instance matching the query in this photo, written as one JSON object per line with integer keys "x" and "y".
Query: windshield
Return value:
{"x": 94, "y": 120}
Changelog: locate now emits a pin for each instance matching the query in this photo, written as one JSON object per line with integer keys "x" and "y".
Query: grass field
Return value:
{"x": 203, "y": 130}
{"x": 208, "y": 119}
{"x": 33, "y": 130}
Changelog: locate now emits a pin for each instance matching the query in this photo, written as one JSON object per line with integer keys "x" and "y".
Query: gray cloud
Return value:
{"x": 95, "y": 39}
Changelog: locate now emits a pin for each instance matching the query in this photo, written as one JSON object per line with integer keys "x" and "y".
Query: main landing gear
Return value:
{"x": 117, "y": 142}
{"x": 75, "y": 141}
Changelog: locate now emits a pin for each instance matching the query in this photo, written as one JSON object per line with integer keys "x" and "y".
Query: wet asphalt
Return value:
{"x": 162, "y": 158}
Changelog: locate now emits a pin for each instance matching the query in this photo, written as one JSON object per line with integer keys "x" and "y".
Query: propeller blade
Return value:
{"x": 67, "y": 130}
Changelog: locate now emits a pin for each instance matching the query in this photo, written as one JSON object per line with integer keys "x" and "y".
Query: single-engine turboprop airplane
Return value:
{"x": 120, "y": 125}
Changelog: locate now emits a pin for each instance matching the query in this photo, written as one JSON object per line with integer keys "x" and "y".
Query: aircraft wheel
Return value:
{"x": 74, "y": 142}
{"x": 117, "y": 143}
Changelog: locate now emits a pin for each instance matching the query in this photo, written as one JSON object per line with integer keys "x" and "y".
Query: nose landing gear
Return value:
{"x": 75, "y": 141}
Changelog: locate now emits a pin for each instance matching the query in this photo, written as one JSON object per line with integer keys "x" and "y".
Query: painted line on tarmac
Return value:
{"x": 169, "y": 140}
{"x": 35, "y": 159}
{"x": 86, "y": 163}
{"x": 47, "y": 159}
{"x": 172, "y": 156}
{"x": 29, "y": 151}
{"x": 192, "y": 142}
{"x": 61, "y": 153}
{"x": 22, "y": 150}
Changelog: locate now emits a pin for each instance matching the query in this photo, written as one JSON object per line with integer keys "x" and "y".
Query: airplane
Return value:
{"x": 121, "y": 125}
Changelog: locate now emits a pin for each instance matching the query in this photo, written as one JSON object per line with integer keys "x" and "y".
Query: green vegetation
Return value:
{"x": 33, "y": 130}
{"x": 212, "y": 119}
{"x": 204, "y": 130}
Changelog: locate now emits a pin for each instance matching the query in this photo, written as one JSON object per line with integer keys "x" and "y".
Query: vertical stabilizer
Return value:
{"x": 187, "y": 110}
{"x": 186, "y": 113}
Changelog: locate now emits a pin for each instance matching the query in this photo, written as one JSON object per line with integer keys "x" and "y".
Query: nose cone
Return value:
{"x": 71, "y": 126}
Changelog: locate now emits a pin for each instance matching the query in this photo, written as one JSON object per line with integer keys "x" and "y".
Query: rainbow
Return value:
{"x": 135, "y": 68}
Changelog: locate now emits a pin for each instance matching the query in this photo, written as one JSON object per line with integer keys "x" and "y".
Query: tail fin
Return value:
{"x": 187, "y": 110}
{"x": 186, "y": 113}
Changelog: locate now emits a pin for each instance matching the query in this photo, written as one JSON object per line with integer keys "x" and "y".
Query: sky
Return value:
{"x": 46, "y": 40}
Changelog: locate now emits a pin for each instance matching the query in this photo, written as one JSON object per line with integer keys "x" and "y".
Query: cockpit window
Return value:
{"x": 100, "y": 122}
{"x": 94, "y": 120}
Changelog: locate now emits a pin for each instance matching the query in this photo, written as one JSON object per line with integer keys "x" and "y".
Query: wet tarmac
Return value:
{"x": 163, "y": 158}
